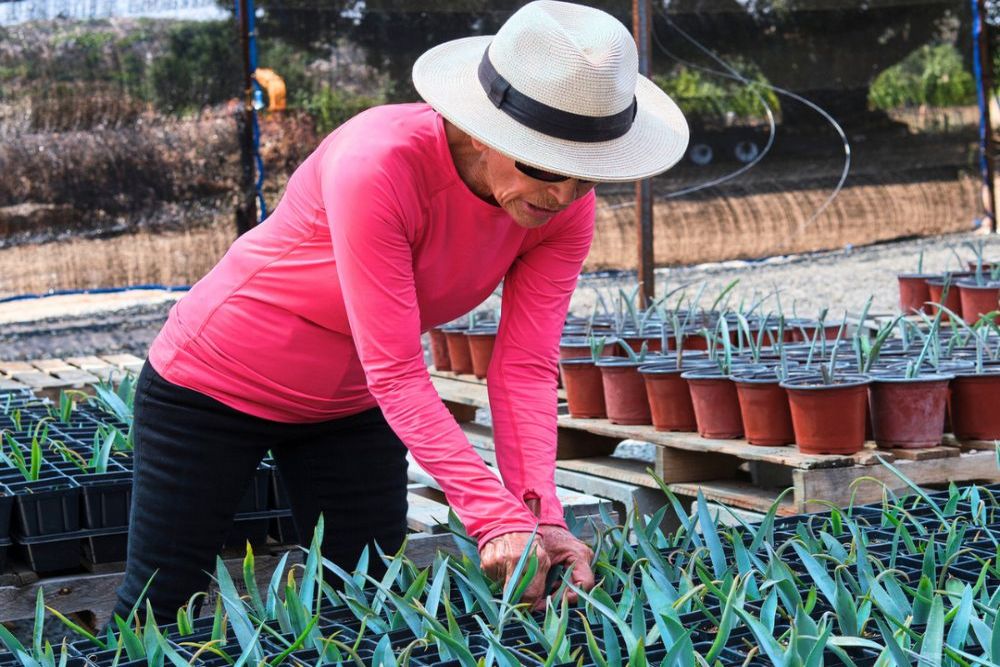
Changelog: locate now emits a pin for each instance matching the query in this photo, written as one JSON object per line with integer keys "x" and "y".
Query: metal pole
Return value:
{"x": 246, "y": 210}
{"x": 641, "y": 17}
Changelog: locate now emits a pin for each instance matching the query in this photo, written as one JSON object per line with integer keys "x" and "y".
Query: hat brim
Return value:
{"x": 446, "y": 77}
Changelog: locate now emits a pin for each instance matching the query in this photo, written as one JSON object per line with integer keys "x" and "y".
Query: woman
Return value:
{"x": 305, "y": 339}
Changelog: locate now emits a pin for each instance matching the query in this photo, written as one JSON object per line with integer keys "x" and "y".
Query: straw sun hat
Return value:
{"x": 557, "y": 88}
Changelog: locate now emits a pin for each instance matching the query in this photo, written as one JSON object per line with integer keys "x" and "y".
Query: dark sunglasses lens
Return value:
{"x": 540, "y": 174}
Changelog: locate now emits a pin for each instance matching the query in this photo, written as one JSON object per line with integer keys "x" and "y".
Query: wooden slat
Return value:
{"x": 76, "y": 376}
{"x": 925, "y": 453}
{"x": 10, "y": 367}
{"x": 458, "y": 391}
{"x": 838, "y": 484}
{"x": 38, "y": 380}
{"x": 88, "y": 363}
{"x": 629, "y": 471}
{"x": 737, "y": 494}
{"x": 581, "y": 503}
{"x": 128, "y": 362}
{"x": 789, "y": 456}
{"x": 681, "y": 465}
{"x": 425, "y": 515}
{"x": 96, "y": 592}
{"x": 51, "y": 365}
{"x": 968, "y": 445}
{"x": 11, "y": 385}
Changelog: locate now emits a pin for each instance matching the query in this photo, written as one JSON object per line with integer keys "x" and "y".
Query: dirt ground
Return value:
{"x": 840, "y": 280}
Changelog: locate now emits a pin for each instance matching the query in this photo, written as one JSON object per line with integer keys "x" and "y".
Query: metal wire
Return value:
{"x": 732, "y": 73}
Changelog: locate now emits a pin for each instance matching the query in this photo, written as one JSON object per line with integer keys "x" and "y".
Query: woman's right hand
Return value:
{"x": 498, "y": 559}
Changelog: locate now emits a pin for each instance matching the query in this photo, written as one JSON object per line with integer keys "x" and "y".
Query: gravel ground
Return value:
{"x": 837, "y": 280}
{"x": 840, "y": 280}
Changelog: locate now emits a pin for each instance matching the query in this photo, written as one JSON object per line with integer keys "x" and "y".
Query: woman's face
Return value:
{"x": 529, "y": 201}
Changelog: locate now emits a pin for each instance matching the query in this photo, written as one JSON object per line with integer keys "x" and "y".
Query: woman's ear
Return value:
{"x": 478, "y": 145}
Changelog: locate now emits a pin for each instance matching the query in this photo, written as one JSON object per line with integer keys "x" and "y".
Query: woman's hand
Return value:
{"x": 564, "y": 549}
{"x": 552, "y": 545}
{"x": 499, "y": 557}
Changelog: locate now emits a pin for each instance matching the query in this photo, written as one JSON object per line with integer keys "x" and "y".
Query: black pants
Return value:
{"x": 194, "y": 458}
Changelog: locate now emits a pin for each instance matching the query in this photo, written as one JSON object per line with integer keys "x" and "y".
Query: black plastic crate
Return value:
{"x": 107, "y": 498}
{"x": 256, "y": 497}
{"x": 46, "y": 507}
{"x": 107, "y": 545}
{"x": 250, "y": 528}
{"x": 6, "y": 510}
{"x": 49, "y": 553}
{"x": 279, "y": 495}
{"x": 4, "y": 548}
{"x": 282, "y": 528}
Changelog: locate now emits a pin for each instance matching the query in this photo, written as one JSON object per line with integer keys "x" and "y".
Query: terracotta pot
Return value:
{"x": 913, "y": 292}
{"x": 669, "y": 398}
{"x": 439, "y": 350}
{"x": 978, "y": 300}
{"x": 480, "y": 342}
{"x": 828, "y": 419}
{"x": 716, "y": 405}
{"x": 952, "y": 301}
{"x": 987, "y": 265}
{"x": 624, "y": 391}
{"x": 830, "y": 330}
{"x": 975, "y": 405}
{"x": 767, "y": 419}
{"x": 460, "y": 358}
{"x": 908, "y": 413}
{"x": 654, "y": 343}
{"x": 584, "y": 388}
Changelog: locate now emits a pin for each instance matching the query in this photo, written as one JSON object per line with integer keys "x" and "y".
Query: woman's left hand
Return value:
{"x": 566, "y": 550}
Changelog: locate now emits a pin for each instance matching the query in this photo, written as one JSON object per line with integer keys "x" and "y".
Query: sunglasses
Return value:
{"x": 540, "y": 174}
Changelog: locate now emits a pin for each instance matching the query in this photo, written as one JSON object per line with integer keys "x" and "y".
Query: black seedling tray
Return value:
{"x": 250, "y": 528}
{"x": 107, "y": 545}
{"x": 49, "y": 553}
{"x": 46, "y": 507}
{"x": 107, "y": 499}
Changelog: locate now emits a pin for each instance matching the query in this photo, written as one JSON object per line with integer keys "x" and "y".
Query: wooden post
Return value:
{"x": 246, "y": 210}
{"x": 641, "y": 17}
{"x": 982, "y": 54}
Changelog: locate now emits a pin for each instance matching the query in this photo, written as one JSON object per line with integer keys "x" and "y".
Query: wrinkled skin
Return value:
{"x": 553, "y": 545}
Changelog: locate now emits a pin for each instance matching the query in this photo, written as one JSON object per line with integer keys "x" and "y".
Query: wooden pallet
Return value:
{"x": 47, "y": 377}
{"x": 739, "y": 474}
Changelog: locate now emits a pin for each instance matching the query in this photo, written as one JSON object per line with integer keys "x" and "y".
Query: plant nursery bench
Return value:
{"x": 731, "y": 472}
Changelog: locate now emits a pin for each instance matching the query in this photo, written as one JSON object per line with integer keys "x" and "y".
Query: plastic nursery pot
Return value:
{"x": 913, "y": 291}
{"x": 439, "y": 349}
{"x": 978, "y": 300}
{"x": 459, "y": 357}
{"x": 624, "y": 391}
{"x": 974, "y": 405}
{"x": 908, "y": 412}
{"x": 716, "y": 405}
{"x": 480, "y": 342}
{"x": 584, "y": 388}
{"x": 767, "y": 419}
{"x": 573, "y": 347}
{"x": 669, "y": 397}
{"x": 654, "y": 342}
{"x": 952, "y": 301}
{"x": 828, "y": 419}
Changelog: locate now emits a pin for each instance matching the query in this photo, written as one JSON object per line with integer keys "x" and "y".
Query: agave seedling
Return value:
{"x": 40, "y": 653}
{"x": 30, "y": 466}
{"x": 597, "y": 347}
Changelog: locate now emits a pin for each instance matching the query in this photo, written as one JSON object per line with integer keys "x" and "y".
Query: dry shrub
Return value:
{"x": 82, "y": 105}
{"x": 121, "y": 170}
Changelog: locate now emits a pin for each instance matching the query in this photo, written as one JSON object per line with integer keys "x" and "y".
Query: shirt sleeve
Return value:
{"x": 523, "y": 372}
{"x": 372, "y": 248}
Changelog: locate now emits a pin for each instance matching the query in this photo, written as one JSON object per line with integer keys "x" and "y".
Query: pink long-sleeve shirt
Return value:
{"x": 317, "y": 313}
